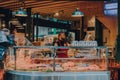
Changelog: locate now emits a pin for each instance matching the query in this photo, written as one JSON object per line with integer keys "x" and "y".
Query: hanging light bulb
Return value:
{"x": 21, "y": 12}
{"x": 77, "y": 13}
{"x": 56, "y": 14}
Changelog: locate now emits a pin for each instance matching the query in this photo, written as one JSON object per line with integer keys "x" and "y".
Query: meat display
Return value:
{"x": 36, "y": 60}
{"x": 74, "y": 66}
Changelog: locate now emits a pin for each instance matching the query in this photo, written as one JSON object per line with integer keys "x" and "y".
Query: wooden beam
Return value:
{"x": 54, "y": 6}
{"x": 43, "y": 3}
{"x": 66, "y": 8}
{"x": 75, "y": 3}
{"x": 6, "y": 2}
{"x": 27, "y": 3}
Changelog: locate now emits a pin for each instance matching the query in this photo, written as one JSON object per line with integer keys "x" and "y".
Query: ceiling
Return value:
{"x": 64, "y": 7}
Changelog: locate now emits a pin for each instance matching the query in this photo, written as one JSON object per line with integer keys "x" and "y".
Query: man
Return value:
{"x": 62, "y": 53}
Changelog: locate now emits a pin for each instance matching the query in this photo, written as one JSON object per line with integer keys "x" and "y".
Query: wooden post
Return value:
{"x": 37, "y": 28}
{"x": 29, "y": 24}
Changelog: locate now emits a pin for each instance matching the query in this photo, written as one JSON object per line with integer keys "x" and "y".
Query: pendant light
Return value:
{"x": 21, "y": 12}
{"x": 77, "y": 13}
{"x": 56, "y": 14}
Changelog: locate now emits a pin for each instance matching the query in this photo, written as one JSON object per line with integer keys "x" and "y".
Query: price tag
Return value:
{"x": 84, "y": 43}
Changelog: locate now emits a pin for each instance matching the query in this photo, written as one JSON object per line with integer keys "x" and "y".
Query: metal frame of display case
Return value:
{"x": 36, "y": 75}
{"x": 53, "y": 48}
{"x": 35, "y": 47}
{"x": 78, "y": 47}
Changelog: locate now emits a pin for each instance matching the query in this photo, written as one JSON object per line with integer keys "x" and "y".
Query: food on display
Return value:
{"x": 71, "y": 53}
{"x": 77, "y": 66}
{"x": 58, "y": 68}
{"x": 10, "y": 65}
{"x": 93, "y": 67}
{"x": 68, "y": 64}
{"x": 29, "y": 59}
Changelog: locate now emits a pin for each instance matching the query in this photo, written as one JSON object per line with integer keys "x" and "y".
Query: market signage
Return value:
{"x": 110, "y": 8}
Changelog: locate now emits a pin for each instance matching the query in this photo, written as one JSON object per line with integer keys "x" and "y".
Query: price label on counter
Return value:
{"x": 84, "y": 43}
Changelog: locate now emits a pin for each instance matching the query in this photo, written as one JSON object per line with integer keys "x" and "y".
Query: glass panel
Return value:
{"x": 81, "y": 59}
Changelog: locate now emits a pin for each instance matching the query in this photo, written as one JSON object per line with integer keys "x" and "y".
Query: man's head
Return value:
{"x": 61, "y": 35}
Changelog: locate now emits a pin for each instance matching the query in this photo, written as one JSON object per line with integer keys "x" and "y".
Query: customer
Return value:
{"x": 62, "y": 53}
{"x": 4, "y": 44}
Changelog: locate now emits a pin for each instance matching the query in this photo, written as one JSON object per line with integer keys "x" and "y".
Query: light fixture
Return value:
{"x": 77, "y": 13}
{"x": 56, "y": 14}
{"x": 21, "y": 12}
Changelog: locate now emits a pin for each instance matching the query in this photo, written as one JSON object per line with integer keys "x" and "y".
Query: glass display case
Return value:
{"x": 45, "y": 59}
{"x": 82, "y": 59}
{"x": 30, "y": 59}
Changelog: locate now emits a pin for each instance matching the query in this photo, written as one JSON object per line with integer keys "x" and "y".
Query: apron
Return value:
{"x": 62, "y": 54}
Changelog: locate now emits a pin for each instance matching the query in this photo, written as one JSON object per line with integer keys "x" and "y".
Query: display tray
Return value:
{"x": 35, "y": 75}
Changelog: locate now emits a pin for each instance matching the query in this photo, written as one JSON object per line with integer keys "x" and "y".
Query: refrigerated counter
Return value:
{"x": 42, "y": 63}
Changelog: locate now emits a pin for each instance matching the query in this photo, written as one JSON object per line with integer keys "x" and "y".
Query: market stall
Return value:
{"x": 42, "y": 63}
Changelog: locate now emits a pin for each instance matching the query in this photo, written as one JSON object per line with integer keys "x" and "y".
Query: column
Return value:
{"x": 29, "y": 29}
{"x": 117, "y": 47}
{"x": 99, "y": 33}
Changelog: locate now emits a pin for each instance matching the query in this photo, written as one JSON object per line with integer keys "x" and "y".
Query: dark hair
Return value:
{"x": 60, "y": 33}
